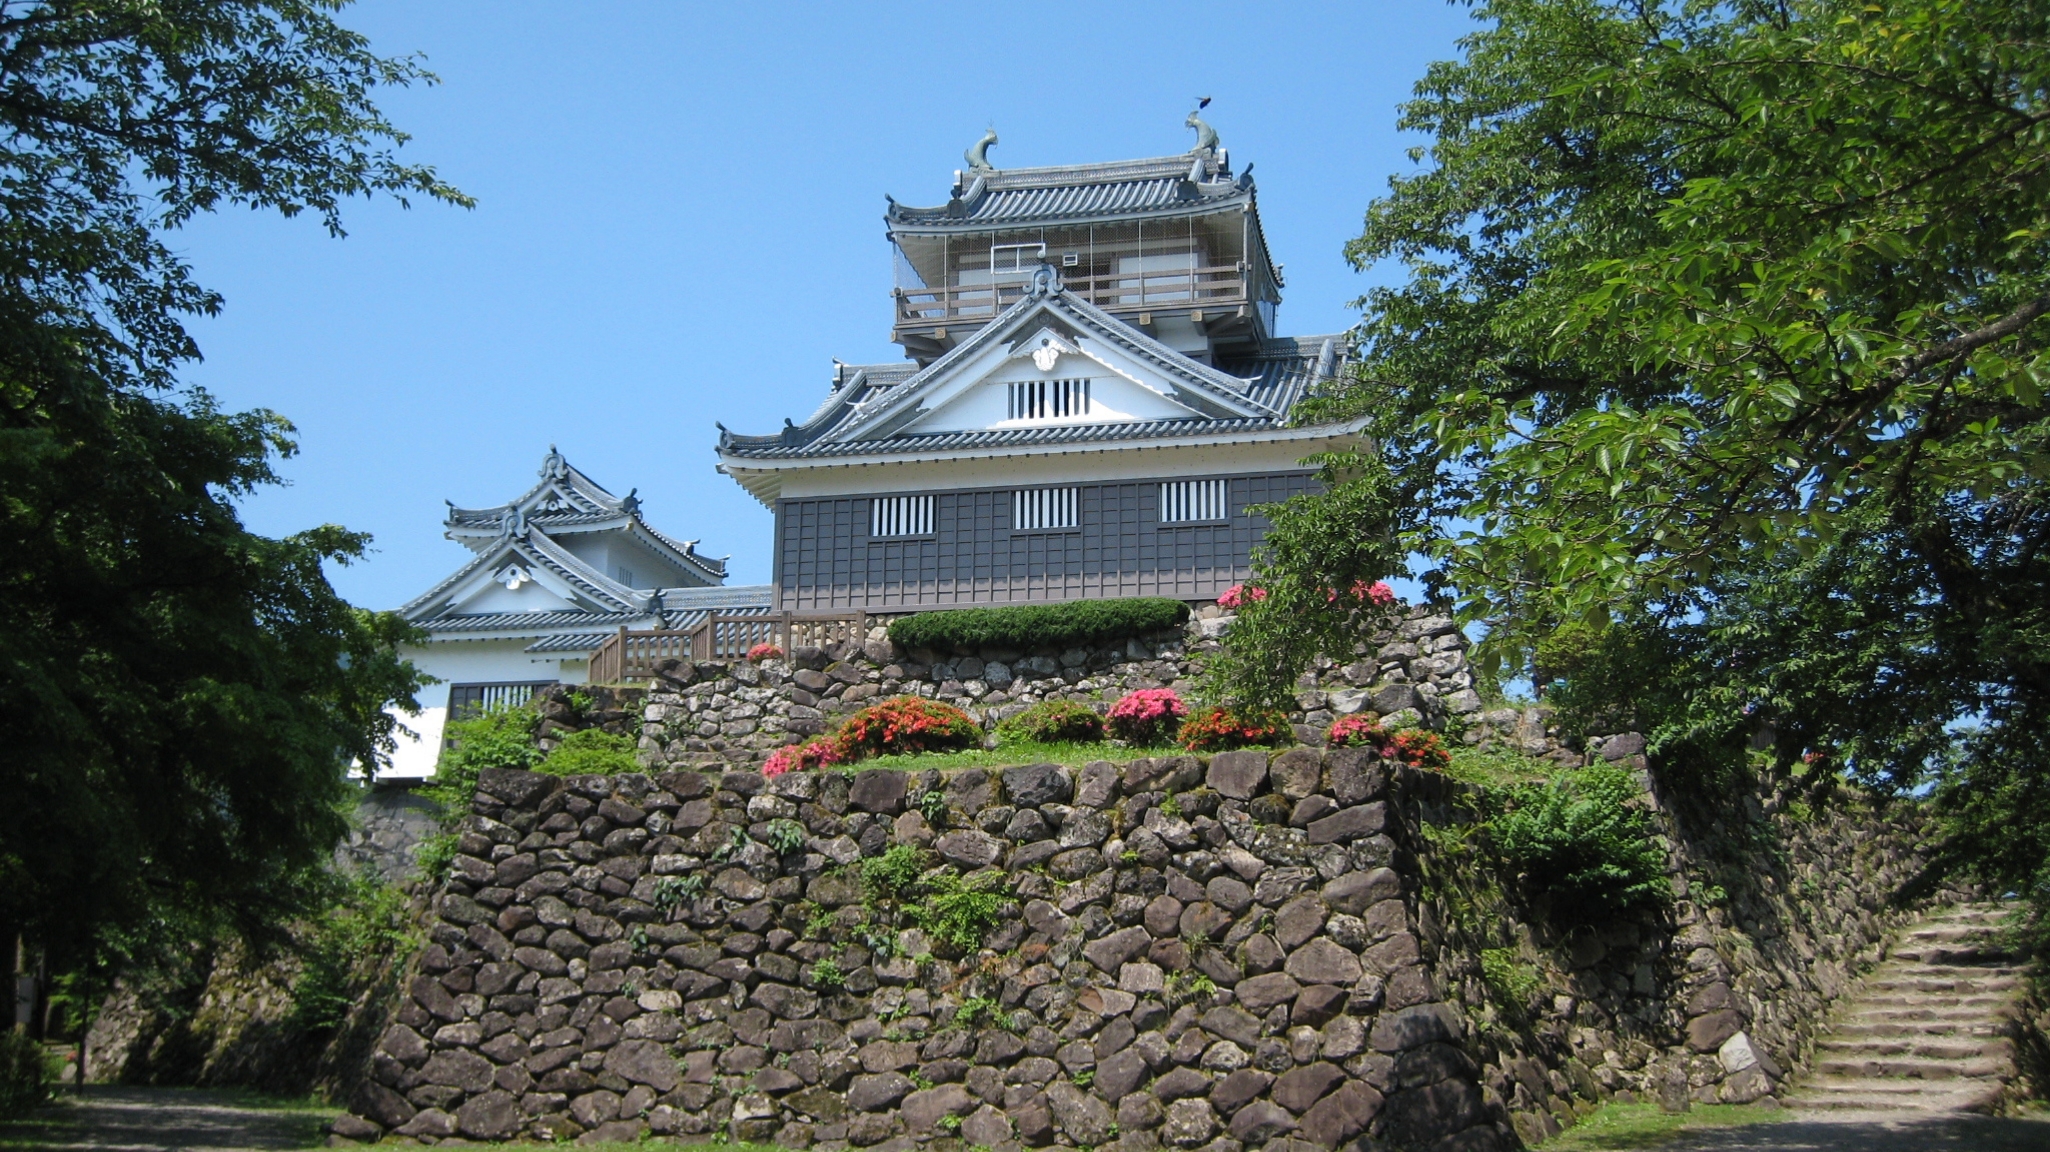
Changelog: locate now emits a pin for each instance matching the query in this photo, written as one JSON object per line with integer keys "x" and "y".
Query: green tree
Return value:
{"x": 1691, "y": 279}
{"x": 178, "y": 696}
{"x": 1715, "y": 381}
{"x": 1310, "y": 575}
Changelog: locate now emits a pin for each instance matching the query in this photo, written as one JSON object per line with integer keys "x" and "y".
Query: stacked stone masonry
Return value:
{"x": 1202, "y": 954}
{"x": 721, "y": 714}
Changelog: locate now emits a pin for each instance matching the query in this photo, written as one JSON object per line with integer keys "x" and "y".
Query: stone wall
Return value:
{"x": 1202, "y": 954}
{"x": 389, "y": 824}
{"x": 1780, "y": 905}
{"x": 718, "y": 714}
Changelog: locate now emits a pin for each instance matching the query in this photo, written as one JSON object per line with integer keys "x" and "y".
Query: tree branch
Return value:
{"x": 1971, "y": 341}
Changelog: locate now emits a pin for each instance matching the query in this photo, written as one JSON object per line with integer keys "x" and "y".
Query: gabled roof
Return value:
{"x": 870, "y": 406}
{"x": 573, "y": 578}
{"x": 1126, "y": 189}
{"x": 566, "y": 501}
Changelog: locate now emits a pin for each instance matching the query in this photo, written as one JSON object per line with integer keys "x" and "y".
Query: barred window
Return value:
{"x": 900, "y": 516}
{"x": 1047, "y": 399}
{"x": 1036, "y": 508}
{"x": 1185, "y": 500}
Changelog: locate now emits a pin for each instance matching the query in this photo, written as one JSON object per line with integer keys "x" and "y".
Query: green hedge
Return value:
{"x": 1038, "y": 625}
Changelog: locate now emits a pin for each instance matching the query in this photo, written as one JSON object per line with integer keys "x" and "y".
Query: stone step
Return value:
{"x": 1911, "y": 1068}
{"x": 1972, "y": 1025}
{"x": 1924, "y": 1047}
{"x": 1857, "y": 1097}
{"x": 1990, "y": 985}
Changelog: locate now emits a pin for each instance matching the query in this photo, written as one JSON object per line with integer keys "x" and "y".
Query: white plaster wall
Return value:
{"x": 1112, "y": 399}
{"x": 528, "y": 597}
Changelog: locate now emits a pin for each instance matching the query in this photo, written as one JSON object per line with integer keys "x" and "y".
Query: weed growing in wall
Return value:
{"x": 1513, "y": 981}
{"x": 591, "y": 752}
{"x": 958, "y": 911}
{"x": 1580, "y": 839}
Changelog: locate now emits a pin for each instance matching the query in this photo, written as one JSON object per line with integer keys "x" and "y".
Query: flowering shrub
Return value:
{"x": 1054, "y": 721}
{"x": 1220, "y": 729}
{"x": 1412, "y": 746}
{"x": 1419, "y": 749}
{"x": 1357, "y": 732}
{"x": 765, "y": 651}
{"x": 1379, "y": 594}
{"x": 1148, "y": 716}
{"x": 1239, "y": 594}
{"x": 906, "y": 724}
{"x": 791, "y": 757}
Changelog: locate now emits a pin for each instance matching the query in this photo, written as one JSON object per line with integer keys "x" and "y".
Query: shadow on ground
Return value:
{"x": 138, "y": 1119}
{"x": 1869, "y": 1134}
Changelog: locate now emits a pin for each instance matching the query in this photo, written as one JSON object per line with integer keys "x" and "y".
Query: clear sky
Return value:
{"x": 679, "y": 222}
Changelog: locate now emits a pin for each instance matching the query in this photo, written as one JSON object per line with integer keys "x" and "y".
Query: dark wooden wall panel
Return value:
{"x": 825, "y": 558}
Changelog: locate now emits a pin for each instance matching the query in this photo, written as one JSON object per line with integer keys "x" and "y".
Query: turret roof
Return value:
{"x": 1160, "y": 186}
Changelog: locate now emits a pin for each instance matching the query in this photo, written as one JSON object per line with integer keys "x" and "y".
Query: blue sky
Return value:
{"x": 679, "y": 222}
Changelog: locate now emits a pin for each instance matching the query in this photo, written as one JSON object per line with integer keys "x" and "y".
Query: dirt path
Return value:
{"x": 1871, "y": 1133}
{"x": 124, "y": 1119}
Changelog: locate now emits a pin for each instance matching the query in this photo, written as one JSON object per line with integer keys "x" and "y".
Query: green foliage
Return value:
{"x": 1038, "y": 625}
{"x": 592, "y": 752}
{"x": 1054, "y": 722}
{"x": 933, "y": 806}
{"x": 891, "y": 875}
{"x": 1580, "y": 840}
{"x": 671, "y": 891}
{"x": 501, "y": 737}
{"x": 1514, "y": 982}
{"x": 785, "y": 836}
{"x": 981, "y": 1009}
{"x": 24, "y": 1074}
{"x": 369, "y": 924}
{"x": 827, "y": 976}
{"x": 1715, "y": 382}
{"x": 1688, "y": 280}
{"x": 959, "y": 911}
{"x": 434, "y": 854}
{"x": 179, "y": 696}
{"x": 1318, "y": 550}
{"x": 1189, "y": 987}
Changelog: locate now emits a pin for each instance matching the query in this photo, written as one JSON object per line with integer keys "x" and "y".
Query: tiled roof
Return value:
{"x": 1264, "y": 386}
{"x": 1257, "y": 391}
{"x": 1283, "y": 370}
{"x": 568, "y": 642}
{"x": 525, "y": 621}
{"x": 1003, "y": 438}
{"x": 1158, "y": 186}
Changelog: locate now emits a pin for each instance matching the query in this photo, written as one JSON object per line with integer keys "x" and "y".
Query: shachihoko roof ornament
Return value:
{"x": 1206, "y": 136}
{"x": 978, "y": 153}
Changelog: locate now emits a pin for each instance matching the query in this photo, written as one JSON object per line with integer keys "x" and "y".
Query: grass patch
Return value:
{"x": 1010, "y": 755}
{"x": 1626, "y": 1126}
{"x": 1498, "y": 767}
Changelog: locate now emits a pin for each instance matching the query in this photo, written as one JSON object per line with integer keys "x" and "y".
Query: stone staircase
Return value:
{"x": 1926, "y": 1031}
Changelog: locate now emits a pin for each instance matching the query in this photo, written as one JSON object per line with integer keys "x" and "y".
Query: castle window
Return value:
{"x": 1049, "y": 399}
{"x": 900, "y": 516}
{"x": 1183, "y": 501}
{"x": 1034, "y": 509}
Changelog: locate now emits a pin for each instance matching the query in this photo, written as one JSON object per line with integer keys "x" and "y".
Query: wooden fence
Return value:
{"x": 629, "y": 656}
